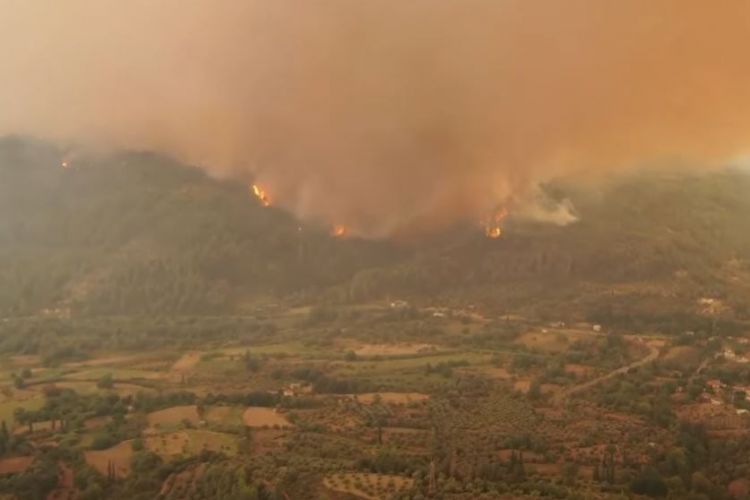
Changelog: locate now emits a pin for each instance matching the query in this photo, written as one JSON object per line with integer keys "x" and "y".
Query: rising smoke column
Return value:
{"x": 386, "y": 116}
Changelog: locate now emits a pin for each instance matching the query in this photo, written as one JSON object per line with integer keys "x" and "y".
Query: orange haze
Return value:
{"x": 381, "y": 114}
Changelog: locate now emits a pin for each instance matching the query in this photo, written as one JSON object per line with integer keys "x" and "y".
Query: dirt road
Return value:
{"x": 653, "y": 353}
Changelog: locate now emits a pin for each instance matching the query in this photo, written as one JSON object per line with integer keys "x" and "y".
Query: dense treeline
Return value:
{"x": 62, "y": 340}
{"x": 686, "y": 233}
{"x": 35, "y": 483}
{"x": 135, "y": 233}
{"x": 139, "y": 233}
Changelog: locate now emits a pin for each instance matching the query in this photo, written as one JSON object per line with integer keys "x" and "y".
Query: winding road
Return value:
{"x": 651, "y": 356}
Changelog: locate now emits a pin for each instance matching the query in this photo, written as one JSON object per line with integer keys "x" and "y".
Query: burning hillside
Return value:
{"x": 261, "y": 194}
{"x": 493, "y": 227}
{"x": 434, "y": 113}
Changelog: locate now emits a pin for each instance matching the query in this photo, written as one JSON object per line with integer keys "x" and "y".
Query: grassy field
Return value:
{"x": 225, "y": 415}
{"x": 8, "y": 407}
{"x": 264, "y": 417}
{"x": 170, "y": 417}
{"x": 391, "y": 366}
{"x": 191, "y": 442}
{"x": 555, "y": 340}
{"x": 291, "y": 348}
{"x": 119, "y": 374}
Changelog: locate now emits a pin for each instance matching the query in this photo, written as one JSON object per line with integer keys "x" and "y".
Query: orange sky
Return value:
{"x": 384, "y": 114}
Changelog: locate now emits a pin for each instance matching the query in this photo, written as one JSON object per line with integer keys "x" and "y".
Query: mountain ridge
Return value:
{"x": 138, "y": 233}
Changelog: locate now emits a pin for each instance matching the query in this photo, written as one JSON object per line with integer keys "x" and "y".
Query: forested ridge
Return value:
{"x": 137, "y": 233}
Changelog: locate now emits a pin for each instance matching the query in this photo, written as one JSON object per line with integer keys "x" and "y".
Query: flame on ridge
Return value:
{"x": 261, "y": 194}
{"x": 493, "y": 225}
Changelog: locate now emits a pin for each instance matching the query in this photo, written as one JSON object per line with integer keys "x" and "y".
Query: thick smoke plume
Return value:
{"x": 386, "y": 115}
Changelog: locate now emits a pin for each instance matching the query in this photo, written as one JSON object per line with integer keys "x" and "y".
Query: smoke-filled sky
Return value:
{"x": 386, "y": 114}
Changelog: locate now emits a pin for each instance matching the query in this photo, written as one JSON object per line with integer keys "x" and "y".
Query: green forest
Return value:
{"x": 135, "y": 233}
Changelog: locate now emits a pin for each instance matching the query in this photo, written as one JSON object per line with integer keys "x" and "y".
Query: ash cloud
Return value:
{"x": 387, "y": 116}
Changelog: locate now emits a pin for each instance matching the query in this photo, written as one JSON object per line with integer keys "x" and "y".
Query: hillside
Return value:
{"x": 649, "y": 248}
{"x": 136, "y": 233}
{"x": 139, "y": 233}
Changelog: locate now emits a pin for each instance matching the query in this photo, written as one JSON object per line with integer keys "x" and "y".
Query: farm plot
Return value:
{"x": 553, "y": 341}
{"x": 191, "y": 442}
{"x": 119, "y": 456}
{"x": 256, "y": 416}
{"x": 14, "y": 465}
{"x": 174, "y": 416}
{"x": 369, "y": 486}
{"x": 394, "y": 349}
{"x": 225, "y": 415}
{"x": 9, "y": 406}
{"x": 118, "y": 374}
{"x": 397, "y": 398}
{"x": 268, "y": 440}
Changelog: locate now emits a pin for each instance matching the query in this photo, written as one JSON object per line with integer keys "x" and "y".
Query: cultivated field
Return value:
{"x": 264, "y": 417}
{"x": 368, "y": 486}
{"x": 366, "y": 416}
{"x": 118, "y": 456}
{"x": 174, "y": 416}
{"x": 191, "y": 442}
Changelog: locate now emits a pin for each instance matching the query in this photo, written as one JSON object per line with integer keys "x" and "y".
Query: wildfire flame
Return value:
{"x": 261, "y": 194}
{"x": 493, "y": 224}
{"x": 493, "y": 232}
{"x": 338, "y": 231}
{"x": 65, "y": 164}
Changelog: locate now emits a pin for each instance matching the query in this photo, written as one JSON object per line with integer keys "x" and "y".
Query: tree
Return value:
{"x": 144, "y": 462}
{"x": 21, "y": 417}
{"x": 649, "y": 483}
{"x": 4, "y": 439}
{"x": 252, "y": 363}
{"x": 569, "y": 472}
{"x": 608, "y": 464}
{"x": 516, "y": 467}
{"x": 106, "y": 382}
{"x": 535, "y": 390}
{"x": 92, "y": 492}
{"x": 103, "y": 440}
{"x": 701, "y": 483}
